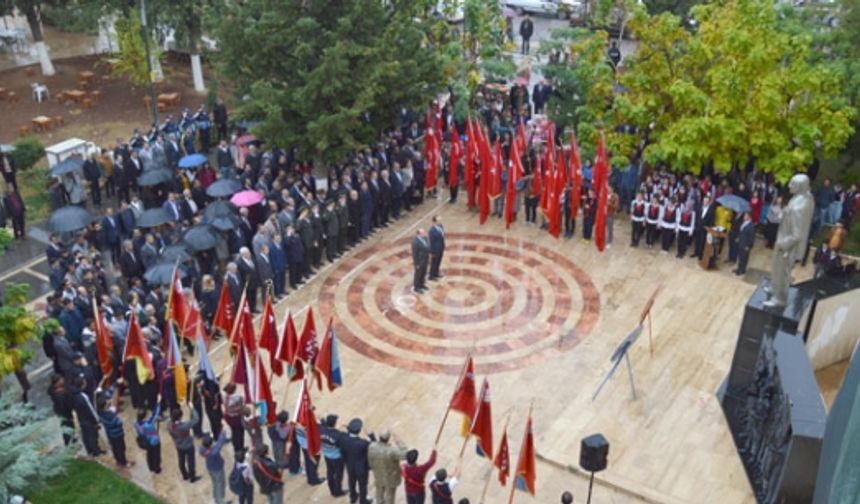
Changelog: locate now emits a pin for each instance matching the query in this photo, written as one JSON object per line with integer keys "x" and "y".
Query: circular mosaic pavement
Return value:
{"x": 511, "y": 303}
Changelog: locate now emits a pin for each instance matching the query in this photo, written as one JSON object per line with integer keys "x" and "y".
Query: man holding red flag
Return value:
{"x": 269, "y": 337}
{"x": 469, "y": 165}
{"x": 225, "y": 313}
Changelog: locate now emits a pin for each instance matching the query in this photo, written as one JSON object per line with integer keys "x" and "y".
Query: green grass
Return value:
{"x": 90, "y": 483}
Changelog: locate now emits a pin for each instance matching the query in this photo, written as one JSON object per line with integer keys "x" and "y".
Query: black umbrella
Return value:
{"x": 154, "y": 217}
{"x": 154, "y": 177}
{"x": 68, "y": 165}
{"x": 69, "y": 218}
{"x": 174, "y": 253}
{"x": 220, "y": 208}
{"x": 162, "y": 273}
{"x": 201, "y": 237}
{"x": 223, "y": 188}
{"x": 225, "y": 222}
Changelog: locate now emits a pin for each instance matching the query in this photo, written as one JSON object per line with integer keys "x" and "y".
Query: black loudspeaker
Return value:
{"x": 593, "y": 452}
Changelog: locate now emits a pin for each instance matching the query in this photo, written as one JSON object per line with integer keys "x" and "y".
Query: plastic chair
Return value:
{"x": 40, "y": 92}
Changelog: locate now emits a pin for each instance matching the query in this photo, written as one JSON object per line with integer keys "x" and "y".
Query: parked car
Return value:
{"x": 542, "y": 7}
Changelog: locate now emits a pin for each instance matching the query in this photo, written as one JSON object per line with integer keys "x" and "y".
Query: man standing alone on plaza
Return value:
{"x": 437, "y": 247}
{"x": 384, "y": 460}
{"x": 420, "y": 258}
{"x": 527, "y": 28}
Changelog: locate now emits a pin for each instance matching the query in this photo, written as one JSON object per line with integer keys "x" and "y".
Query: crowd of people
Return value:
{"x": 274, "y": 246}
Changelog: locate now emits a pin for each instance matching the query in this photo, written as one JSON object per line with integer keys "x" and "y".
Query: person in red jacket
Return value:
{"x": 413, "y": 475}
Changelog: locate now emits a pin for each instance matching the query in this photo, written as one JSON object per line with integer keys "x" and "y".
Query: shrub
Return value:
{"x": 28, "y": 151}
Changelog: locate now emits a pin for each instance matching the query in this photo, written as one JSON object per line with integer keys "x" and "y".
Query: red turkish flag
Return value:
{"x": 464, "y": 397}
{"x": 575, "y": 177}
{"x": 225, "y": 312}
{"x": 194, "y": 323}
{"x": 135, "y": 348}
{"x": 269, "y": 336}
{"x": 454, "y": 159}
{"x": 308, "y": 347}
{"x": 263, "y": 393}
{"x": 482, "y": 422}
{"x": 469, "y": 166}
{"x": 526, "y": 474}
{"x": 515, "y": 171}
{"x": 503, "y": 459}
{"x": 289, "y": 349}
{"x": 177, "y": 307}
{"x": 305, "y": 417}
{"x": 104, "y": 344}
{"x": 601, "y": 176}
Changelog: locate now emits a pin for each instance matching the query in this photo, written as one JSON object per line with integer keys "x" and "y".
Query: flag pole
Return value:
{"x": 237, "y": 315}
{"x": 448, "y": 409}
{"x": 490, "y": 476}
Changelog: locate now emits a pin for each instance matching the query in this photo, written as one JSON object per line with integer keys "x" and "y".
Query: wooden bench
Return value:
{"x": 12, "y": 97}
{"x": 59, "y": 121}
{"x": 95, "y": 95}
{"x": 87, "y": 102}
{"x": 23, "y": 130}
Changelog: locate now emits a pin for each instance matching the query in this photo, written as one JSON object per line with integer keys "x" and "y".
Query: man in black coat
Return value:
{"x": 329, "y": 435}
{"x": 219, "y": 113}
{"x": 332, "y": 230}
{"x": 354, "y": 451}
{"x": 705, "y": 215}
{"x": 420, "y": 258}
{"x": 130, "y": 265}
{"x": 342, "y": 211}
{"x": 16, "y": 210}
{"x": 305, "y": 231}
{"x": 354, "y": 207}
{"x": 397, "y": 190}
{"x": 249, "y": 276}
{"x": 87, "y": 418}
{"x": 317, "y": 230}
{"x": 295, "y": 257}
{"x": 111, "y": 232}
{"x": 437, "y": 247}
{"x": 527, "y": 28}
{"x": 92, "y": 176}
{"x": 366, "y": 202}
{"x": 127, "y": 220}
{"x": 265, "y": 271}
{"x": 746, "y": 239}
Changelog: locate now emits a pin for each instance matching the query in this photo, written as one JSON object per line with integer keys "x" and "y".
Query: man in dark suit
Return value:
{"x": 127, "y": 220}
{"x": 746, "y": 239}
{"x": 111, "y": 232}
{"x": 172, "y": 207}
{"x": 527, "y": 28}
{"x": 437, "y": 247}
{"x": 365, "y": 197}
{"x": 705, "y": 215}
{"x": 172, "y": 151}
{"x": 265, "y": 271}
{"x": 354, "y": 450}
{"x": 250, "y": 278}
{"x": 420, "y": 258}
{"x": 295, "y": 257}
{"x": 130, "y": 265}
{"x": 279, "y": 264}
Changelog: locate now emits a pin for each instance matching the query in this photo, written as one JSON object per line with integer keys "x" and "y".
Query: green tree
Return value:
{"x": 131, "y": 60}
{"x": 29, "y": 454}
{"x": 326, "y": 77}
{"x": 584, "y": 80}
{"x": 32, "y": 10}
{"x": 18, "y": 326}
{"x": 737, "y": 90}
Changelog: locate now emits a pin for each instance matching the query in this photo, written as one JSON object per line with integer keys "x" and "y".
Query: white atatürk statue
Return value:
{"x": 792, "y": 239}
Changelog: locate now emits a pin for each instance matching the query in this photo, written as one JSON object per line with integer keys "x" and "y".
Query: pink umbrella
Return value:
{"x": 246, "y": 198}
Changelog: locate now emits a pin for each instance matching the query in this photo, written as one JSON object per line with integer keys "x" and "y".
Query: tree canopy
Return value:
{"x": 325, "y": 77}
{"x": 737, "y": 90}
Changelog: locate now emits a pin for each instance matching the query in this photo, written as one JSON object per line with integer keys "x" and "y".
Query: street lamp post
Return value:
{"x": 143, "y": 33}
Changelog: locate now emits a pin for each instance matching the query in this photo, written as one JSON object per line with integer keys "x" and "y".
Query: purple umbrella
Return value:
{"x": 246, "y": 198}
{"x": 509, "y": 13}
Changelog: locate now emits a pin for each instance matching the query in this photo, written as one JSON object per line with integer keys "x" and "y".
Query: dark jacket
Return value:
{"x": 420, "y": 251}
{"x": 437, "y": 239}
{"x": 354, "y": 450}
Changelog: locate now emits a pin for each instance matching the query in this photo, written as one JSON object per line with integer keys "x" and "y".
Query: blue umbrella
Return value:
{"x": 734, "y": 203}
{"x": 192, "y": 161}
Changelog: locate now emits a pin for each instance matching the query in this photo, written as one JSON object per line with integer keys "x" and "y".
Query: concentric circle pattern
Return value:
{"x": 511, "y": 303}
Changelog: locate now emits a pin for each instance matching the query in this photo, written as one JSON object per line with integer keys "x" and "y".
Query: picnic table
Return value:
{"x": 76, "y": 95}
{"x": 169, "y": 99}
{"x": 87, "y": 76}
{"x": 42, "y": 123}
